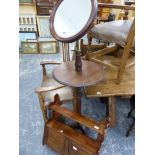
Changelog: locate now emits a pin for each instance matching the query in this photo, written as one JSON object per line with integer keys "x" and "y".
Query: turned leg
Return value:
{"x": 89, "y": 37}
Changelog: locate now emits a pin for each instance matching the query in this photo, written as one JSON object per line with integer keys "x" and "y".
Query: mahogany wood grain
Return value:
{"x": 91, "y": 74}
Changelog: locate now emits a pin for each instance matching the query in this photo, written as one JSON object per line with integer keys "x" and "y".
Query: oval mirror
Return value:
{"x": 70, "y": 19}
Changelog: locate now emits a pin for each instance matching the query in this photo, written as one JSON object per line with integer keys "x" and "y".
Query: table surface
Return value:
{"x": 91, "y": 74}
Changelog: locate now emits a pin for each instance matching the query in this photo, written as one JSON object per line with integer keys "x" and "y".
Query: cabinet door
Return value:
{"x": 55, "y": 139}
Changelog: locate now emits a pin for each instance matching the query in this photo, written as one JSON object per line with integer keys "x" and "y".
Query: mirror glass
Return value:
{"x": 71, "y": 16}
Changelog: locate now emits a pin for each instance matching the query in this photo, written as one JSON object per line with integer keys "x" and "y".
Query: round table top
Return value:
{"x": 91, "y": 74}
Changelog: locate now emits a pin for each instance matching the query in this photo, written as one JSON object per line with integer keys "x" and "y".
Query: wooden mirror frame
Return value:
{"x": 83, "y": 30}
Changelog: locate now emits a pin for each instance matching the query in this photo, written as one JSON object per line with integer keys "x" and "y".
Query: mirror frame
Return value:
{"x": 83, "y": 30}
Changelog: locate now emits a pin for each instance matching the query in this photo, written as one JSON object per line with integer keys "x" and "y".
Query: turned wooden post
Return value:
{"x": 89, "y": 38}
{"x": 78, "y": 62}
{"x": 126, "y": 12}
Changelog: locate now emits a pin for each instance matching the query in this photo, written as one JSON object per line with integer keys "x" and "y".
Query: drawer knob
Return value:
{"x": 75, "y": 148}
{"x": 98, "y": 93}
{"x": 96, "y": 127}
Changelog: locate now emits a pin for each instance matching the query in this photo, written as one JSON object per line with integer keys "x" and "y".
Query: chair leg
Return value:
{"x": 126, "y": 52}
{"x": 130, "y": 128}
{"x": 129, "y": 114}
{"x": 132, "y": 103}
{"x": 89, "y": 37}
{"x": 121, "y": 69}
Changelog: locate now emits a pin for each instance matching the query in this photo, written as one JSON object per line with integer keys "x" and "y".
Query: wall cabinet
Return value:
{"x": 67, "y": 141}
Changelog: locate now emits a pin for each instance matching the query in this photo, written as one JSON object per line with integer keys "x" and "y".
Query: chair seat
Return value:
{"x": 65, "y": 93}
{"x": 114, "y": 31}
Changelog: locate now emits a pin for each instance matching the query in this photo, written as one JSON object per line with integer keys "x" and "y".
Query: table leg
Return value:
{"x": 110, "y": 111}
{"x": 77, "y": 107}
{"x": 77, "y": 100}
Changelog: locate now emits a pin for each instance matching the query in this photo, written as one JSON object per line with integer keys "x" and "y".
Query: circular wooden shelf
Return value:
{"x": 91, "y": 74}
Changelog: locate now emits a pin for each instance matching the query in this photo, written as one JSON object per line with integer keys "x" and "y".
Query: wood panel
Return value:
{"x": 68, "y": 138}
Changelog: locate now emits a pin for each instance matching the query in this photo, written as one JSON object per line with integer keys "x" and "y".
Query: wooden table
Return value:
{"x": 109, "y": 88}
{"x": 91, "y": 74}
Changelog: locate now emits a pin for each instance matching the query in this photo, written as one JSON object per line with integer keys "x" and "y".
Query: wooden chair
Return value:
{"x": 120, "y": 32}
{"x": 49, "y": 87}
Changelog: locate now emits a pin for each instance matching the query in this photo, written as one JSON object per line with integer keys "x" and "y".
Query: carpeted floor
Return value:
{"x": 31, "y": 121}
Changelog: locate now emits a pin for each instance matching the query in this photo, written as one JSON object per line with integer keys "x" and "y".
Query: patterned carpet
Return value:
{"x": 31, "y": 121}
